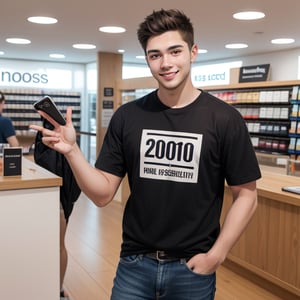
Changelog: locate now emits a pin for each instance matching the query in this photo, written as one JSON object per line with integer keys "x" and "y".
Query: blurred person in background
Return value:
{"x": 7, "y": 130}
{"x": 56, "y": 163}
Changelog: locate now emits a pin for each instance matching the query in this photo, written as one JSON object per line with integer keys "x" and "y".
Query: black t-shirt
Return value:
{"x": 177, "y": 161}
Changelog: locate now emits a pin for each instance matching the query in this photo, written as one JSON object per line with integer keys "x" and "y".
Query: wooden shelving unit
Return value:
{"x": 266, "y": 111}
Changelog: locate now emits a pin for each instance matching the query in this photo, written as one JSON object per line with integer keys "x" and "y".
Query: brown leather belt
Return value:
{"x": 162, "y": 256}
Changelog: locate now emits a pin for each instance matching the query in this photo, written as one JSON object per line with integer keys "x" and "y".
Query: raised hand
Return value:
{"x": 61, "y": 138}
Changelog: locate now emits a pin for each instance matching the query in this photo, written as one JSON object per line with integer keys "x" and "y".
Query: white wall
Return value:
{"x": 29, "y": 74}
{"x": 284, "y": 64}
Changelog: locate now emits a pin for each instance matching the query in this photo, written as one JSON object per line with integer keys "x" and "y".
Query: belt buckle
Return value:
{"x": 160, "y": 254}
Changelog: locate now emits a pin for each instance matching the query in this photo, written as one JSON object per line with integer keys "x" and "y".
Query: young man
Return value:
{"x": 177, "y": 145}
{"x": 7, "y": 130}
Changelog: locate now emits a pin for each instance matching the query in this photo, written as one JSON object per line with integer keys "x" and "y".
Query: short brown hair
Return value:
{"x": 162, "y": 21}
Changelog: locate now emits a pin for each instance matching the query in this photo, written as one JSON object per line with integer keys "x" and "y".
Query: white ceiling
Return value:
{"x": 78, "y": 22}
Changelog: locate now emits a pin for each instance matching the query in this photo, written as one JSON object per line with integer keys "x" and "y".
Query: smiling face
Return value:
{"x": 169, "y": 59}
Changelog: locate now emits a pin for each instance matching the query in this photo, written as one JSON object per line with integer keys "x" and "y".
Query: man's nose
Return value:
{"x": 165, "y": 61}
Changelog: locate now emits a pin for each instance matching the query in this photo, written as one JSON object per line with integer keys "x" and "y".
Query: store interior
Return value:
{"x": 110, "y": 71}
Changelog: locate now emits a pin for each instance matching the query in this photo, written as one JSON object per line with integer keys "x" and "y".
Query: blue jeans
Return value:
{"x": 142, "y": 278}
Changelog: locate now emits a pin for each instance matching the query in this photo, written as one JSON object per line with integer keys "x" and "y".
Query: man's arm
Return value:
{"x": 98, "y": 186}
{"x": 236, "y": 220}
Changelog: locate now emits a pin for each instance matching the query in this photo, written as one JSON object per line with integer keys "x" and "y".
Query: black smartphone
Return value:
{"x": 48, "y": 106}
{"x": 291, "y": 189}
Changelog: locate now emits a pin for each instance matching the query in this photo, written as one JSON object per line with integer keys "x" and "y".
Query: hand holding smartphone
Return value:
{"x": 48, "y": 106}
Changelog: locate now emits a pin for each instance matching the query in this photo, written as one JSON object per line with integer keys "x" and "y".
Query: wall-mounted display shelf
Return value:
{"x": 19, "y": 107}
{"x": 266, "y": 109}
{"x": 294, "y": 133}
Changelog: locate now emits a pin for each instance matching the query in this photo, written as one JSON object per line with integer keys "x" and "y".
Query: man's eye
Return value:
{"x": 176, "y": 52}
{"x": 154, "y": 56}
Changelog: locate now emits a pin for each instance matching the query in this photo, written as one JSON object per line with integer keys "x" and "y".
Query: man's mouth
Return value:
{"x": 168, "y": 75}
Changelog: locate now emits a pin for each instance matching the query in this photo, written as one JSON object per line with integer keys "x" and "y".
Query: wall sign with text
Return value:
{"x": 254, "y": 73}
{"x": 41, "y": 75}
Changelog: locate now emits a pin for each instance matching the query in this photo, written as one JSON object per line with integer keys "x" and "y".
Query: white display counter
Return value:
{"x": 29, "y": 233}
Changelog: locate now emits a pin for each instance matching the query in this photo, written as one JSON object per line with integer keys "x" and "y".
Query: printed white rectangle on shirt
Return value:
{"x": 169, "y": 155}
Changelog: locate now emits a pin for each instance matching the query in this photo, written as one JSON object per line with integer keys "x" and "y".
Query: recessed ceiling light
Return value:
{"x": 282, "y": 41}
{"x": 202, "y": 51}
{"x": 1, "y": 52}
{"x": 112, "y": 29}
{"x": 121, "y": 50}
{"x": 84, "y": 46}
{"x": 249, "y": 15}
{"x": 57, "y": 55}
{"x": 236, "y": 46}
{"x": 42, "y": 20}
{"x": 18, "y": 41}
{"x": 140, "y": 57}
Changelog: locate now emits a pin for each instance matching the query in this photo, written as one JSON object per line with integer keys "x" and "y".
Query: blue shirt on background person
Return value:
{"x": 7, "y": 130}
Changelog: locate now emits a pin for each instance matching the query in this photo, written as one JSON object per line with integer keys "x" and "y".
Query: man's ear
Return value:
{"x": 194, "y": 52}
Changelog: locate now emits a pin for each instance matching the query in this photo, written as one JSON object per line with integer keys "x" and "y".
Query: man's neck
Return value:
{"x": 178, "y": 99}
